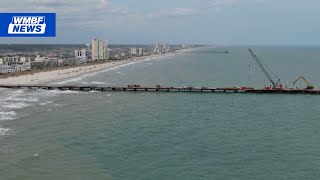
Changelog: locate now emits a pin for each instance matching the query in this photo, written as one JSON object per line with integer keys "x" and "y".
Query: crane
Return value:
{"x": 264, "y": 70}
{"x": 309, "y": 86}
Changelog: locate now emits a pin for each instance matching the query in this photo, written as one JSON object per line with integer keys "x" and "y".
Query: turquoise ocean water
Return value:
{"x": 126, "y": 135}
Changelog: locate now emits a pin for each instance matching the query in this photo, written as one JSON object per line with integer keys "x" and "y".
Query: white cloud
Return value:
{"x": 176, "y": 12}
{"x": 68, "y": 8}
{"x": 56, "y": 3}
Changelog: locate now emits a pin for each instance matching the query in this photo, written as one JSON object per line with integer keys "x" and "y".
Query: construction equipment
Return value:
{"x": 134, "y": 86}
{"x": 309, "y": 86}
{"x": 263, "y": 67}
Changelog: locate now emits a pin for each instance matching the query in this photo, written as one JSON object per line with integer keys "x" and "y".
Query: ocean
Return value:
{"x": 146, "y": 135}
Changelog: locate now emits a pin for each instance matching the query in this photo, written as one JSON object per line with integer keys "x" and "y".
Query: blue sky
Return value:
{"x": 221, "y": 22}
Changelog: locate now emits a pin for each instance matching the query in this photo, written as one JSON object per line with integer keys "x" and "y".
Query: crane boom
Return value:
{"x": 309, "y": 86}
{"x": 274, "y": 84}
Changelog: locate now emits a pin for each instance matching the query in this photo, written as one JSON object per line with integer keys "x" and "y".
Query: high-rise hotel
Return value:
{"x": 99, "y": 50}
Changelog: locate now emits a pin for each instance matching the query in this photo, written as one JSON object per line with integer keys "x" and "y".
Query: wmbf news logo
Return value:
{"x": 27, "y": 24}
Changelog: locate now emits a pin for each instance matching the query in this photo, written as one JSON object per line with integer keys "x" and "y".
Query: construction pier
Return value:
{"x": 166, "y": 89}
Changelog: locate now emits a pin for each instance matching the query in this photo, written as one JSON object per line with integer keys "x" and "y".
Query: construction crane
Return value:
{"x": 263, "y": 67}
{"x": 309, "y": 86}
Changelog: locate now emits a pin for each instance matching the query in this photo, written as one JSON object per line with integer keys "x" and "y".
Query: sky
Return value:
{"x": 210, "y": 22}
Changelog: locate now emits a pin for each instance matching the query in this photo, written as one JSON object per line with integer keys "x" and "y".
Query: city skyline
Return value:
{"x": 208, "y": 22}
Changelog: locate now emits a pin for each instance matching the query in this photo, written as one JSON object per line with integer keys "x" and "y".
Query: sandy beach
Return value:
{"x": 61, "y": 74}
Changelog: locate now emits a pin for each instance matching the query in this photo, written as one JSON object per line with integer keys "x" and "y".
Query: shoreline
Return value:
{"x": 48, "y": 76}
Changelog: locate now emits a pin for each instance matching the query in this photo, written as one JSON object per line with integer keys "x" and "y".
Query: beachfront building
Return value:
{"x": 89, "y": 54}
{"x": 43, "y": 58}
{"x": 81, "y": 55}
{"x": 18, "y": 67}
{"x": 157, "y": 46}
{"x": 88, "y": 51}
{"x": 111, "y": 54}
{"x": 134, "y": 51}
{"x": 12, "y": 60}
{"x": 119, "y": 53}
{"x": 6, "y": 69}
{"x": 166, "y": 48}
{"x": 99, "y": 50}
{"x": 39, "y": 59}
{"x": 140, "y": 52}
{"x": 14, "y": 68}
{"x": 161, "y": 48}
{"x": 14, "y": 64}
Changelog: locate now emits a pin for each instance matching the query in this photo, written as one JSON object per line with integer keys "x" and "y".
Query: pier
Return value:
{"x": 165, "y": 89}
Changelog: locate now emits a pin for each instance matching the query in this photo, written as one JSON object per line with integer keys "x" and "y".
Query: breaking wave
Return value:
{"x": 97, "y": 82}
{"x": 11, "y": 115}
{"x": 16, "y": 105}
{"x": 4, "y": 131}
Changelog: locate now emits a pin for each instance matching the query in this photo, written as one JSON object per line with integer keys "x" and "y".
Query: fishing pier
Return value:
{"x": 275, "y": 87}
{"x": 165, "y": 89}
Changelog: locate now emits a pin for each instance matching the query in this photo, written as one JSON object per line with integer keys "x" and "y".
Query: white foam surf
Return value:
{"x": 11, "y": 115}
{"x": 67, "y": 92}
{"x": 54, "y": 93}
{"x": 159, "y": 57}
{"x": 94, "y": 91}
{"x": 4, "y": 131}
{"x": 22, "y": 99}
{"x": 69, "y": 80}
{"x": 16, "y": 105}
{"x": 120, "y": 66}
{"x": 95, "y": 82}
{"x": 90, "y": 74}
{"x": 45, "y": 103}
